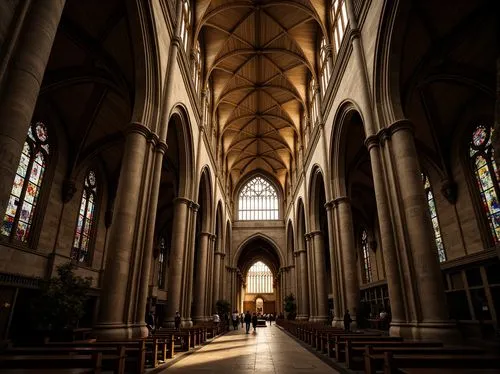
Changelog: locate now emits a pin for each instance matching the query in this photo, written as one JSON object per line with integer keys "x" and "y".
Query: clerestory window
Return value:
{"x": 259, "y": 279}
{"x": 86, "y": 219}
{"x": 185, "y": 23}
{"x": 258, "y": 201}
{"x": 434, "y": 218}
{"x": 487, "y": 176}
{"x": 339, "y": 23}
{"x": 367, "y": 267}
{"x": 326, "y": 67}
{"x": 18, "y": 220}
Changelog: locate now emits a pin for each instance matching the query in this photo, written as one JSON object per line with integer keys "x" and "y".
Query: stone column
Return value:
{"x": 218, "y": 256}
{"x": 199, "y": 290}
{"x": 433, "y": 321}
{"x": 334, "y": 264}
{"x": 348, "y": 248}
{"x": 303, "y": 307}
{"x": 391, "y": 260}
{"x": 317, "y": 241}
{"x": 117, "y": 277}
{"x": 177, "y": 254}
{"x": 22, "y": 85}
{"x": 146, "y": 265}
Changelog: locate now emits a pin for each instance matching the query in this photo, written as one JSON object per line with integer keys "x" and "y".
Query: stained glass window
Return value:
{"x": 367, "y": 267}
{"x": 339, "y": 22}
{"x": 258, "y": 201}
{"x": 487, "y": 176}
{"x": 162, "y": 257}
{"x": 434, "y": 218}
{"x": 84, "y": 225}
{"x": 259, "y": 279}
{"x": 18, "y": 219}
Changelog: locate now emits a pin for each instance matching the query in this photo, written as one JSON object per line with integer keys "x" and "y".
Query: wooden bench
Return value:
{"x": 181, "y": 338}
{"x": 392, "y": 362}
{"x": 336, "y": 345}
{"x": 93, "y": 363}
{"x": 135, "y": 350}
{"x": 354, "y": 348}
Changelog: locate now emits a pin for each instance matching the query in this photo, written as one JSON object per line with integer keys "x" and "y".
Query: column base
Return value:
{"x": 120, "y": 331}
{"x": 302, "y": 317}
{"x": 187, "y": 322}
{"x": 338, "y": 323}
{"x": 318, "y": 319}
{"x": 444, "y": 331}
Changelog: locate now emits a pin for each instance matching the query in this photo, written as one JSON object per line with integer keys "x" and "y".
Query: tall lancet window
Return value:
{"x": 18, "y": 219}
{"x": 339, "y": 22}
{"x": 434, "y": 218}
{"x": 185, "y": 23}
{"x": 487, "y": 176}
{"x": 162, "y": 262}
{"x": 85, "y": 223}
{"x": 259, "y": 279}
{"x": 196, "y": 65}
{"x": 312, "y": 101}
{"x": 326, "y": 67}
{"x": 258, "y": 201}
{"x": 367, "y": 267}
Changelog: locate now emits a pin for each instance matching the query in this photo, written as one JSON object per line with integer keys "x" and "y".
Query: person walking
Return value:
{"x": 254, "y": 322}
{"x": 177, "y": 320}
{"x": 347, "y": 321}
{"x": 236, "y": 320}
{"x": 242, "y": 319}
{"x": 248, "y": 319}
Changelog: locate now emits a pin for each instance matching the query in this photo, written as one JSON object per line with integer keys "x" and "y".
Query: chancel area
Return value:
{"x": 168, "y": 164}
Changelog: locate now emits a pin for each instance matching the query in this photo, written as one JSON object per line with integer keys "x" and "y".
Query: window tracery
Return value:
{"x": 487, "y": 176}
{"x": 84, "y": 226}
{"x": 162, "y": 263}
{"x": 434, "y": 218}
{"x": 312, "y": 101}
{"x": 18, "y": 219}
{"x": 339, "y": 22}
{"x": 367, "y": 268}
{"x": 258, "y": 201}
{"x": 259, "y": 279}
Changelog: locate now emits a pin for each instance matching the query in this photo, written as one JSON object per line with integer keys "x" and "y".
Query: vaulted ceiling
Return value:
{"x": 259, "y": 57}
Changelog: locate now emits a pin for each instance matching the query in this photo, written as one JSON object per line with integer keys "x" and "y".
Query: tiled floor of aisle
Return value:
{"x": 270, "y": 350}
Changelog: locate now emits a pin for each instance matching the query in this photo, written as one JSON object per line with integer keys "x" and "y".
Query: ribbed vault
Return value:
{"x": 259, "y": 58}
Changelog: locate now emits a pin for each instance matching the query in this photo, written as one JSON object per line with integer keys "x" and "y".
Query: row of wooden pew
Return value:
{"x": 373, "y": 352}
{"x": 95, "y": 356}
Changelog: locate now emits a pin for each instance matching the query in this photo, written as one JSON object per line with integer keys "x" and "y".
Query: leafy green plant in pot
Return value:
{"x": 289, "y": 306}
{"x": 61, "y": 303}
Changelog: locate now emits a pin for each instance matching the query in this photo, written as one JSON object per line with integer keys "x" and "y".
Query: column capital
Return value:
{"x": 384, "y": 135}
{"x": 208, "y": 234}
{"x": 139, "y": 128}
{"x": 342, "y": 200}
{"x": 161, "y": 147}
{"x": 329, "y": 205}
{"x": 219, "y": 253}
{"x": 372, "y": 141}
{"x": 298, "y": 252}
{"x": 182, "y": 200}
{"x": 194, "y": 206}
{"x": 312, "y": 234}
{"x": 401, "y": 125}
{"x": 176, "y": 41}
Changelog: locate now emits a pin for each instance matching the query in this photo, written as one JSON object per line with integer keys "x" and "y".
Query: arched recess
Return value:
{"x": 302, "y": 267}
{"x": 338, "y": 147}
{"x": 319, "y": 246}
{"x": 203, "y": 256}
{"x": 259, "y": 248}
{"x": 218, "y": 257}
{"x": 290, "y": 271}
{"x": 180, "y": 140}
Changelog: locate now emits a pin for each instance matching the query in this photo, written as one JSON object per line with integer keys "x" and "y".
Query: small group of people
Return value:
{"x": 151, "y": 322}
{"x": 250, "y": 319}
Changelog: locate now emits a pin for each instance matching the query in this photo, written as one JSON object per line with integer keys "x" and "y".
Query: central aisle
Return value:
{"x": 270, "y": 350}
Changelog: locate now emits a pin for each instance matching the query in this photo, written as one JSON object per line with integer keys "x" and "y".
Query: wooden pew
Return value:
{"x": 135, "y": 350}
{"x": 349, "y": 349}
{"x": 95, "y": 362}
{"x": 181, "y": 338}
{"x": 391, "y": 362}
{"x": 336, "y": 345}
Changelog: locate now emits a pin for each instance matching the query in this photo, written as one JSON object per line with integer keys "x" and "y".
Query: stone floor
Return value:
{"x": 269, "y": 350}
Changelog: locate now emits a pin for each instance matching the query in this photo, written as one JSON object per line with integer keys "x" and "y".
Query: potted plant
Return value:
{"x": 289, "y": 306}
{"x": 60, "y": 304}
